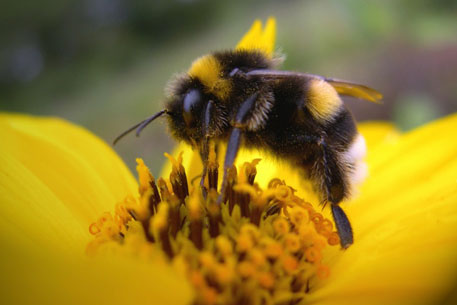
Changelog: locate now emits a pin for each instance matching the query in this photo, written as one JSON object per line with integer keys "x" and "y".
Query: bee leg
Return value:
{"x": 204, "y": 149}
{"x": 343, "y": 226}
{"x": 204, "y": 158}
{"x": 335, "y": 189}
{"x": 234, "y": 141}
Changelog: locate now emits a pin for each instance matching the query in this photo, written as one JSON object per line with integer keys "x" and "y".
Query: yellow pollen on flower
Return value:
{"x": 209, "y": 295}
{"x": 257, "y": 245}
{"x": 160, "y": 220}
{"x": 193, "y": 206}
{"x": 224, "y": 274}
{"x": 224, "y": 246}
{"x": 298, "y": 216}
{"x": 273, "y": 249}
{"x": 333, "y": 239}
{"x": 283, "y": 193}
{"x": 176, "y": 163}
{"x": 94, "y": 229}
{"x": 266, "y": 279}
{"x": 250, "y": 230}
{"x": 248, "y": 171}
{"x": 319, "y": 242}
{"x": 292, "y": 243}
{"x": 197, "y": 279}
{"x": 312, "y": 255}
{"x": 290, "y": 263}
{"x": 281, "y": 226}
{"x": 246, "y": 269}
{"x": 316, "y": 218}
{"x": 323, "y": 272}
{"x": 257, "y": 257}
{"x": 143, "y": 212}
{"x": 207, "y": 260}
{"x": 244, "y": 243}
{"x": 144, "y": 176}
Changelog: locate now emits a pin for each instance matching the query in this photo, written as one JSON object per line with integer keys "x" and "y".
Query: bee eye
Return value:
{"x": 191, "y": 102}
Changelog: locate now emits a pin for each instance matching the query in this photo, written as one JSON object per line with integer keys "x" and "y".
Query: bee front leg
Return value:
{"x": 204, "y": 151}
{"x": 335, "y": 186}
{"x": 204, "y": 147}
{"x": 234, "y": 141}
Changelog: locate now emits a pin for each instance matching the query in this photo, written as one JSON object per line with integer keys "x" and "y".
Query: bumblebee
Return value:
{"x": 239, "y": 97}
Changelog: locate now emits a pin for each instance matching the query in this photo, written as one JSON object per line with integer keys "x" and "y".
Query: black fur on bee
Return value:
{"x": 238, "y": 98}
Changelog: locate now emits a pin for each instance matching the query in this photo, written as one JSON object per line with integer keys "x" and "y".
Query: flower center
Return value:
{"x": 257, "y": 247}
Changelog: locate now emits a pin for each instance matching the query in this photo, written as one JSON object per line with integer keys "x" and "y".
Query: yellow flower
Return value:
{"x": 77, "y": 229}
{"x": 56, "y": 179}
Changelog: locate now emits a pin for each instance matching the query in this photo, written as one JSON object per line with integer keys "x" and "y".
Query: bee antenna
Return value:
{"x": 140, "y": 126}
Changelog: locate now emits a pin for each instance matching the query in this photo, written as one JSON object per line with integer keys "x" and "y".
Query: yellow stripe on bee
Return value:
{"x": 323, "y": 100}
{"x": 258, "y": 39}
{"x": 208, "y": 70}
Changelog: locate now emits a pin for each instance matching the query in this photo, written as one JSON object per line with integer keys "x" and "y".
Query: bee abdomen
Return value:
{"x": 349, "y": 149}
{"x": 322, "y": 100}
{"x": 353, "y": 157}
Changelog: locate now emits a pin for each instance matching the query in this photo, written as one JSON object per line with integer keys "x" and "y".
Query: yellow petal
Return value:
{"x": 404, "y": 219}
{"x": 258, "y": 39}
{"x": 411, "y": 160}
{"x": 377, "y": 133}
{"x": 56, "y": 178}
{"x": 44, "y": 277}
{"x": 405, "y": 224}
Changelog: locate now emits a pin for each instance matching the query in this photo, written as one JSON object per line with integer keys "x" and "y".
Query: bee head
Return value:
{"x": 185, "y": 110}
{"x": 215, "y": 77}
{"x": 186, "y": 114}
{"x": 192, "y": 107}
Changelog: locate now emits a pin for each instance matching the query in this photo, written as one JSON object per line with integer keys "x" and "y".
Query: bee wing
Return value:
{"x": 355, "y": 90}
{"x": 341, "y": 86}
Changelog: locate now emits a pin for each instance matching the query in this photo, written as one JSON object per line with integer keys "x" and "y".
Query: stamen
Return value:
{"x": 213, "y": 213}
{"x": 224, "y": 246}
{"x": 147, "y": 212}
{"x": 196, "y": 225}
{"x": 281, "y": 226}
{"x": 178, "y": 178}
{"x": 160, "y": 225}
{"x": 230, "y": 193}
{"x": 312, "y": 255}
{"x": 266, "y": 280}
{"x": 94, "y": 229}
{"x": 258, "y": 246}
{"x": 290, "y": 263}
{"x": 292, "y": 243}
{"x": 213, "y": 168}
{"x": 144, "y": 176}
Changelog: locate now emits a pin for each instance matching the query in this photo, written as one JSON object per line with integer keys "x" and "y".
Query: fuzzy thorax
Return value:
{"x": 208, "y": 71}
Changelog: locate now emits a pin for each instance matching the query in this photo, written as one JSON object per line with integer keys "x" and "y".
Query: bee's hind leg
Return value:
{"x": 335, "y": 187}
{"x": 342, "y": 225}
{"x": 234, "y": 141}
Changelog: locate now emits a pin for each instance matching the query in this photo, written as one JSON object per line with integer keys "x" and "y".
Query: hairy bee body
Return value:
{"x": 239, "y": 97}
{"x": 299, "y": 119}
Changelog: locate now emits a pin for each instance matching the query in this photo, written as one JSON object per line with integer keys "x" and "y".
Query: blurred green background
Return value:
{"x": 104, "y": 63}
